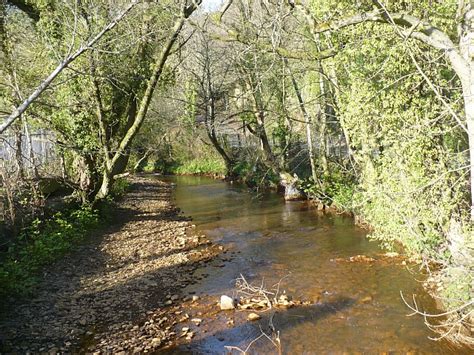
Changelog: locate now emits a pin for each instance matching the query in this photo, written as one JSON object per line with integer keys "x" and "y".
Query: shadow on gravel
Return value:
{"x": 87, "y": 291}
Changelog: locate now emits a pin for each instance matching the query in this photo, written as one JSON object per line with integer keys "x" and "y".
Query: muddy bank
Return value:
{"x": 117, "y": 291}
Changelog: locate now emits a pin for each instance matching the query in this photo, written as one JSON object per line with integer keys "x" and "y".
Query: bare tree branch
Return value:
{"x": 64, "y": 64}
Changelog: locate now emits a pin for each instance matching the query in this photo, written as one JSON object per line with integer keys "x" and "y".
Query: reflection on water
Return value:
{"x": 357, "y": 305}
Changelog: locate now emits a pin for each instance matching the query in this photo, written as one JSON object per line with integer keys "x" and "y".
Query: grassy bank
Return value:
{"x": 196, "y": 166}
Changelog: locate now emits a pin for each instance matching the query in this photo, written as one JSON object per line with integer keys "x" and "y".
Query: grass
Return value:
{"x": 202, "y": 166}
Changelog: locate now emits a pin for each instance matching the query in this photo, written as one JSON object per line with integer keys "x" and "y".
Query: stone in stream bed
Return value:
{"x": 196, "y": 321}
{"x": 253, "y": 317}
{"x": 227, "y": 303}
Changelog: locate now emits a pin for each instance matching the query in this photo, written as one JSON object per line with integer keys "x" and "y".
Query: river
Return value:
{"x": 356, "y": 306}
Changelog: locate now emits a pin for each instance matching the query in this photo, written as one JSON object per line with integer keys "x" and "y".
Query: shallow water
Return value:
{"x": 357, "y": 306}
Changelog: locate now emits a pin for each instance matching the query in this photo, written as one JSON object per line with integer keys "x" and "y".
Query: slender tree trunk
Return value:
{"x": 31, "y": 152}
{"x": 468, "y": 92}
{"x": 63, "y": 165}
{"x": 19, "y": 153}
{"x": 345, "y": 133}
{"x": 111, "y": 164}
{"x": 211, "y": 133}
{"x": 466, "y": 32}
{"x": 309, "y": 141}
{"x": 308, "y": 122}
{"x": 264, "y": 142}
{"x": 322, "y": 110}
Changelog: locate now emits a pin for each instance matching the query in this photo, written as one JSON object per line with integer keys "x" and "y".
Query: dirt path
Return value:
{"x": 114, "y": 293}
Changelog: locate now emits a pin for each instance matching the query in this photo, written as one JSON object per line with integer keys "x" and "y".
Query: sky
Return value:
{"x": 211, "y": 4}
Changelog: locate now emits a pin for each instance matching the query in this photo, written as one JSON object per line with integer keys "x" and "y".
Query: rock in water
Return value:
{"x": 292, "y": 192}
{"x": 227, "y": 303}
{"x": 253, "y": 316}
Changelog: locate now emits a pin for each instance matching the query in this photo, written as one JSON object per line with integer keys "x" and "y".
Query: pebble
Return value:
{"x": 253, "y": 317}
{"x": 227, "y": 303}
{"x": 196, "y": 321}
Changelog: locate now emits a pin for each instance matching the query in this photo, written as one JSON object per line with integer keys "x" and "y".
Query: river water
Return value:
{"x": 356, "y": 306}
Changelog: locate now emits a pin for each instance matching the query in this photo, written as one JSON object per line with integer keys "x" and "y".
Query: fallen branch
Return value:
{"x": 457, "y": 325}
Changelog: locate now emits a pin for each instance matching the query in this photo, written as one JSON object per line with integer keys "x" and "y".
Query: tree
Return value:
{"x": 112, "y": 160}
{"x": 409, "y": 26}
{"x": 71, "y": 56}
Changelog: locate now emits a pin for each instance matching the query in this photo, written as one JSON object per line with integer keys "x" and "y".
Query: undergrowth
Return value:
{"x": 43, "y": 242}
{"x": 334, "y": 189}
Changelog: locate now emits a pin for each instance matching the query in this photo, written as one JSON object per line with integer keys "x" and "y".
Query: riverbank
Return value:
{"x": 115, "y": 292}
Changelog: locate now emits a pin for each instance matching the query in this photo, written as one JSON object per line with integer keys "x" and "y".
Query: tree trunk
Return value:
{"x": 211, "y": 133}
{"x": 322, "y": 110}
{"x": 466, "y": 46}
{"x": 308, "y": 122}
{"x": 112, "y": 163}
{"x": 468, "y": 93}
{"x": 265, "y": 146}
{"x": 19, "y": 153}
{"x": 31, "y": 152}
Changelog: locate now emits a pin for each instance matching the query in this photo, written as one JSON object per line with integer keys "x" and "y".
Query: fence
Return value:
{"x": 38, "y": 153}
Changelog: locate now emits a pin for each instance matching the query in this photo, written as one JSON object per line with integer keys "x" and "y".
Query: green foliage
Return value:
{"x": 456, "y": 286}
{"x": 120, "y": 187}
{"x": 206, "y": 166}
{"x": 254, "y": 173}
{"x": 335, "y": 189}
{"x": 40, "y": 244}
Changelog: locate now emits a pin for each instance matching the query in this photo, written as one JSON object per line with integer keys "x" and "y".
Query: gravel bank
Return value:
{"x": 118, "y": 292}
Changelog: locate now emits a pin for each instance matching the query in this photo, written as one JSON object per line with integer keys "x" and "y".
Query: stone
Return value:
{"x": 253, "y": 317}
{"x": 196, "y": 321}
{"x": 156, "y": 342}
{"x": 174, "y": 297}
{"x": 227, "y": 303}
{"x": 195, "y": 298}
